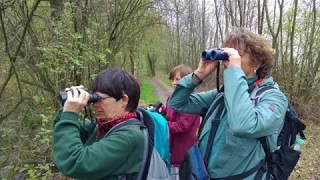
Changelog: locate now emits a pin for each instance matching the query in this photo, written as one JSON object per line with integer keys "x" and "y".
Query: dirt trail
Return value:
{"x": 162, "y": 91}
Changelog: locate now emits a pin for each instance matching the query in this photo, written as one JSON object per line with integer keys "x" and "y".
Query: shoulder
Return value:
{"x": 272, "y": 96}
{"x": 128, "y": 131}
{"x": 130, "y": 135}
{"x": 269, "y": 88}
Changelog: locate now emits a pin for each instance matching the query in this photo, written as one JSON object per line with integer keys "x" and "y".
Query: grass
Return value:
{"x": 147, "y": 94}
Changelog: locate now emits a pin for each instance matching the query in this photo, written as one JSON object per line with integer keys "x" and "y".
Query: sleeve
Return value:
{"x": 102, "y": 158}
{"x": 246, "y": 119}
{"x": 184, "y": 100}
{"x": 86, "y": 126}
{"x": 182, "y": 123}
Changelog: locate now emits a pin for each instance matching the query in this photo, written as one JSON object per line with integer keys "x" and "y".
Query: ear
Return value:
{"x": 124, "y": 100}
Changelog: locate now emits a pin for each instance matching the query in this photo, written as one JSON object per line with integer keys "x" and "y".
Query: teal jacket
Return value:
{"x": 79, "y": 154}
{"x": 235, "y": 147}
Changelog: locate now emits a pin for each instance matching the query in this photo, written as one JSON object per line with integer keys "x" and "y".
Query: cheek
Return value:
{"x": 106, "y": 109}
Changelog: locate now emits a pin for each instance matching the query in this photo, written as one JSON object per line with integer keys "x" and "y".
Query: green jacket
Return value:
{"x": 235, "y": 147}
{"x": 78, "y": 154}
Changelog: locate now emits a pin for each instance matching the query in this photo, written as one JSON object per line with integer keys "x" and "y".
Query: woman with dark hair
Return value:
{"x": 236, "y": 150}
{"x": 182, "y": 126}
{"x": 82, "y": 149}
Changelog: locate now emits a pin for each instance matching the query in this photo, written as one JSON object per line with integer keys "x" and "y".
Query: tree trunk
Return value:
{"x": 292, "y": 33}
{"x": 204, "y": 38}
{"x": 177, "y": 12}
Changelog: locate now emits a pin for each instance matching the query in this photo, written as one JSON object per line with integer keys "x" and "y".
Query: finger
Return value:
{"x": 80, "y": 86}
{"x": 231, "y": 51}
{"x": 69, "y": 95}
{"x": 84, "y": 96}
{"x": 75, "y": 92}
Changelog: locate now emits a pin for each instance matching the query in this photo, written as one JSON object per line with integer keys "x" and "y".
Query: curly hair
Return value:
{"x": 256, "y": 46}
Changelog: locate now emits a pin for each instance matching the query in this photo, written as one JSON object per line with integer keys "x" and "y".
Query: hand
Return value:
{"x": 76, "y": 100}
{"x": 234, "y": 57}
{"x": 205, "y": 67}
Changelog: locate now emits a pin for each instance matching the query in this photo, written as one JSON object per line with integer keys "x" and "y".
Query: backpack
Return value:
{"x": 156, "y": 159}
{"x": 281, "y": 162}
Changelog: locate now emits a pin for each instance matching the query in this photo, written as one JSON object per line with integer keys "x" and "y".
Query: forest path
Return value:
{"x": 161, "y": 90}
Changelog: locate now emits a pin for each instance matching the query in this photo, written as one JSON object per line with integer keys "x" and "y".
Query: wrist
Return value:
{"x": 69, "y": 109}
{"x": 196, "y": 79}
{"x": 200, "y": 74}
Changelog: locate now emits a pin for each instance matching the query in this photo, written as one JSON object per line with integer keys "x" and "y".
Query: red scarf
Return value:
{"x": 257, "y": 82}
{"x": 109, "y": 123}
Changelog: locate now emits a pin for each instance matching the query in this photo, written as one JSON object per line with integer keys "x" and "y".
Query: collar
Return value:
{"x": 104, "y": 125}
{"x": 252, "y": 83}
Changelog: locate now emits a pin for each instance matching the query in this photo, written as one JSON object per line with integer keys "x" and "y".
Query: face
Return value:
{"x": 109, "y": 107}
{"x": 246, "y": 64}
{"x": 176, "y": 79}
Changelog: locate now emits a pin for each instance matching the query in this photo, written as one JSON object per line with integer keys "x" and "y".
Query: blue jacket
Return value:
{"x": 236, "y": 148}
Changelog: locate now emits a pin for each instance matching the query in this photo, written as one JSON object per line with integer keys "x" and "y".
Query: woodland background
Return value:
{"x": 48, "y": 45}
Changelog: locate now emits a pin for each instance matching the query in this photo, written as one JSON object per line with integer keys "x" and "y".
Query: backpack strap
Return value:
{"x": 214, "y": 126}
{"x": 205, "y": 111}
{"x": 267, "y": 151}
{"x": 263, "y": 140}
{"x": 146, "y": 148}
{"x": 259, "y": 93}
{"x": 146, "y": 140}
{"x": 148, "y": 143}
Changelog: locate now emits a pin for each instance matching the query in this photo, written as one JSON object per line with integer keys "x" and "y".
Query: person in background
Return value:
{"x": 82, "y": 149}
{"x": 236, "y": 150}
{"x": 182, "y": 126}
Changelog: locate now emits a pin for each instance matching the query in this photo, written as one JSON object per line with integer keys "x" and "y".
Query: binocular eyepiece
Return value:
{"x": 62, "y": 96}
{"x": 215, "y": 55}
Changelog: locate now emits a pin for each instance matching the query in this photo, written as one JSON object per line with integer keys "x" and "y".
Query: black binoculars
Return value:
{"x": 62, "y": 96}
{"x": 215, "y": 55}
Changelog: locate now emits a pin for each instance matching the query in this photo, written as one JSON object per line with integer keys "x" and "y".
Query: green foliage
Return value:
{"x": 147, "y": 93}
{"x": 75, "y": 47}
{"x": 70, "y": 55}
{"x": 33, "y": 161}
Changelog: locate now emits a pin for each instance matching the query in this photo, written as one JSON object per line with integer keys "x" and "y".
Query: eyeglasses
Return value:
{"x": 103, "y": 98}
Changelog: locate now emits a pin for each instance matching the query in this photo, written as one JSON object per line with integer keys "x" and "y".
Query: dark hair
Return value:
{"x": 256, "y": 45}
{"x": 116, "y": 82}
{"x": 182, "y": 68}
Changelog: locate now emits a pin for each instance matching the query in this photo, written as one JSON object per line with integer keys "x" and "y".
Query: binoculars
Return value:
{"x": 215, "y": 55}
{"x": 62, "y": 96}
